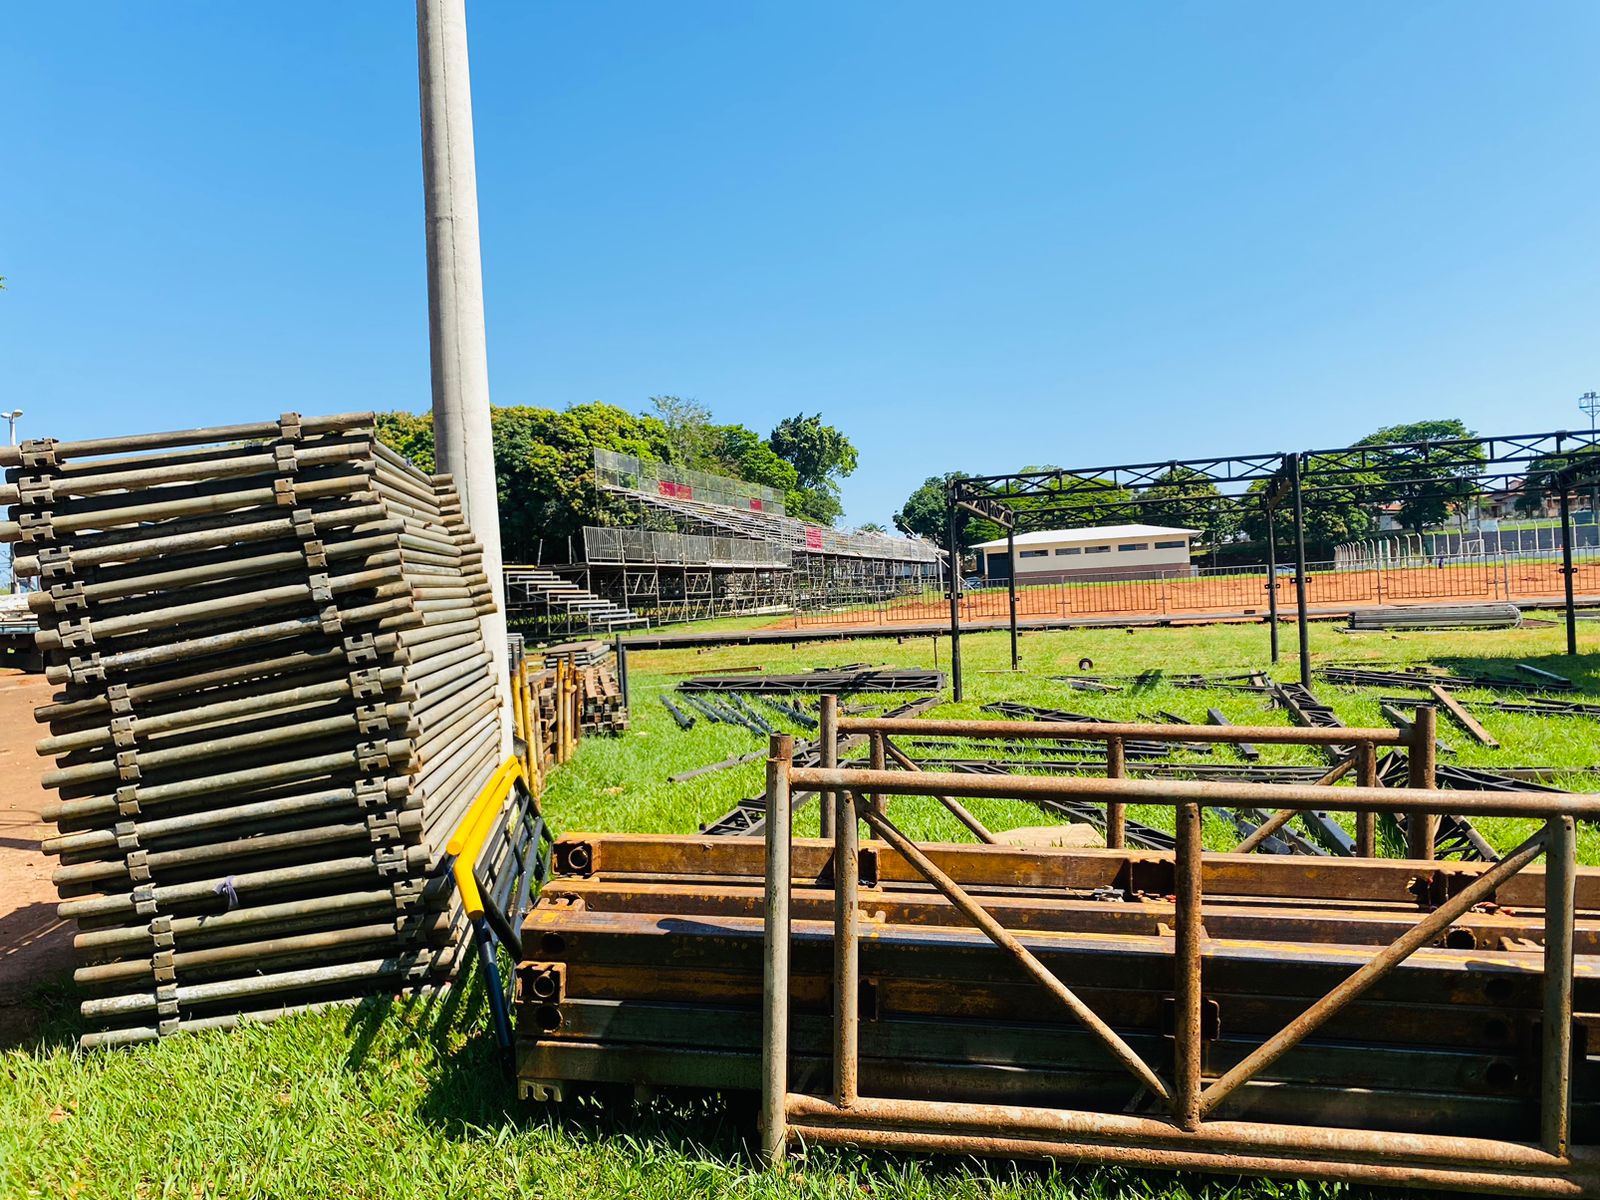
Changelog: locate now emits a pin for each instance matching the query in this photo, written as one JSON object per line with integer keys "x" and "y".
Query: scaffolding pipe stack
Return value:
{"x": 275, "y": 703}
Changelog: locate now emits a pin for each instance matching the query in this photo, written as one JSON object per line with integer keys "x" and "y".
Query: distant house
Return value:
{"x": 1108, "y": 552}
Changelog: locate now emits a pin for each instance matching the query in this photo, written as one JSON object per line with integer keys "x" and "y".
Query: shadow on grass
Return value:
{"x": 42, "y": 1018}
{"x": 471, "y": 1091}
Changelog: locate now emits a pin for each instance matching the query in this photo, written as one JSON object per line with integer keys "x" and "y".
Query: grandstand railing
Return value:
{"x": 625, "y": 472}
{"x": 602, "y": 545}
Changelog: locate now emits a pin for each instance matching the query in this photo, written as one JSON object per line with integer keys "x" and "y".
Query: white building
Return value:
{"x": 1109, "y": 552}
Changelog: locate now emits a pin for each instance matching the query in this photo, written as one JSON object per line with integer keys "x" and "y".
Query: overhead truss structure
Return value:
{"x": 1268, "y": 484}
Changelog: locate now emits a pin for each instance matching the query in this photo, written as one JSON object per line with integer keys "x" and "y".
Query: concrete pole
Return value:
{"x": 463, "y": 441}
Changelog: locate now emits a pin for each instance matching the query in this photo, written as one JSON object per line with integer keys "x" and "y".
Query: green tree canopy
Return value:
{"x": 925, "y": 515}
{"x": 821, "y": 455}
{"x": 544, "y": 461}
{"x": 1430, "y": 483}
{"x": 1187, "y": 499}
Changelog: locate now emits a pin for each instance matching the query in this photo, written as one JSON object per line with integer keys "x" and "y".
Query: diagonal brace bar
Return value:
{"x": 957, "y": 809}
{"x": 1002, "y": 937}
{"x": 1422, "y": 933}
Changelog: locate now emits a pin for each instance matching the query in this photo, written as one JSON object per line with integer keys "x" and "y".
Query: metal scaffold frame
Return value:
{"x": 1270, "y": 484}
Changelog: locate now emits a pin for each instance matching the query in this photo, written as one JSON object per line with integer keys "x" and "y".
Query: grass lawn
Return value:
{"x": 392, "y": 1099}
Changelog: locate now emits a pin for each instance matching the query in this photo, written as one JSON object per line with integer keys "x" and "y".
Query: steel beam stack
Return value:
{"x": 275, "y": 703}
{"x": 643, "y": 965}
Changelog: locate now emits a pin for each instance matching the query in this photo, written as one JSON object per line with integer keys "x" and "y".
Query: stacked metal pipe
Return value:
{"x": 275, "y": 703}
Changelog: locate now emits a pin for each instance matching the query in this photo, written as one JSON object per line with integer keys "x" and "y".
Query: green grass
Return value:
{"x": 390, "y": 1100}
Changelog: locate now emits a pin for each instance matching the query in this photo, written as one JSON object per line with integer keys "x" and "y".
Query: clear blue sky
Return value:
{"x": 975, "y": 237}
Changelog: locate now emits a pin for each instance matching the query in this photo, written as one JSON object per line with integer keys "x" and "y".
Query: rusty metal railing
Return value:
{"x": 1188, "y": 1136}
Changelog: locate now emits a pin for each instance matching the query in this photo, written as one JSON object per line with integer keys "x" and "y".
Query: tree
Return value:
{"x": 821, "y": 455}
{"x": 871, "y": 527}
{"x": 744, "y": 454}
{"x": 411, "y": 434}
{"x": 925, "y": 513}
{"x": 690, "y": 435}
{"x": 1429, "y": 481}
{"x": 1186, "y": 498}
{"x": 1541, "y": 484}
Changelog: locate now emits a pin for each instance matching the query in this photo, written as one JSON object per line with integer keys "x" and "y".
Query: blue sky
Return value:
{"x": 975, "y": 237}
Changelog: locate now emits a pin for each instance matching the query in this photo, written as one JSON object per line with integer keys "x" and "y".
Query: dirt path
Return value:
{"x": 35, "y": 946}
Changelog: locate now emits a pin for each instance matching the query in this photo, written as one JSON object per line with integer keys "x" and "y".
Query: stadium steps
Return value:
{"x": 560, "y": 595}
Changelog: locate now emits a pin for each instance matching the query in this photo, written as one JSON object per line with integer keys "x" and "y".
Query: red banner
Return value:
{"x": 755, "y": 506}
{"x": 813, "y": 538}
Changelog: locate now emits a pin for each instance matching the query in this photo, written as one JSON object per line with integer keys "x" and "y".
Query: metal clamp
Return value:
{"x": 75, "y": 633}
{"x": 283, "y": 492}
{"x": 127, "y": 836}
{"x": 321, "y": 589}
{"x": 121, "y": 702}
{"x": 372, "y": 756}
{"x": 87, "y": 670}
{"x": 285, "y": 458}
{"x": 128, "y": 766}
{"x": 366, "y": 684}
{"x": 139, "y": 866}
{"x": 360, "y": 649}
{"x": 55, "y": 562}
{"x": 289, "y": 427}
{"x": 68, "y": 597}
{"x": 38, "y": 452}
{"x": 122, "y": 736}
{"x": 332, "y": 623}
{"x": 36, "y": 527}
{"x": 390, "y": 861}
{"x": 128, "y": 801}
{"x": 371, "y": 793}
{"x": 371, "y": 719}
{"x": 316, "y": 553}
{"x": 35, "y": 489}
{"x": 144, "y": 900}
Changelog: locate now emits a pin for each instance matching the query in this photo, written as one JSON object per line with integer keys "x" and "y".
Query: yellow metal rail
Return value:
{"x": 475, "y": 828}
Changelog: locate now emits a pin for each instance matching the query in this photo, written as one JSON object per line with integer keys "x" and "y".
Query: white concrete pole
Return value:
{"x": 463, "y": 441}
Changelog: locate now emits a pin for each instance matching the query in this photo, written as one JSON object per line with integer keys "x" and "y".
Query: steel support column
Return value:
{"x": 1272, "y": 577}
{"x": 954, "y": 559}
{"x": 1010, "y": 588}
{"x": 1566, "y": 568}
{"x": 1300, "y": 569}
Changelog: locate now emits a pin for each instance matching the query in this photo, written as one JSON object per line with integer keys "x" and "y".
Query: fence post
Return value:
{"x": 1421, "y": 767}
{"x": 775, "y": 973}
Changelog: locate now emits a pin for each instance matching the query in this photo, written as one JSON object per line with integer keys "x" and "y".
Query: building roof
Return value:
{"x": 1102, "y": 533}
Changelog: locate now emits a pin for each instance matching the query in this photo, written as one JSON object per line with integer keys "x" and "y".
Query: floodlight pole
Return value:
{"x": 1300, "y": 569}
{"x": 462, "y": 434}
{"x": 1589, "y": 403}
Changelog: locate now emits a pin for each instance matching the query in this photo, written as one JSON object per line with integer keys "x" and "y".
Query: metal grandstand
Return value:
{"x": 703, "y": 545}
